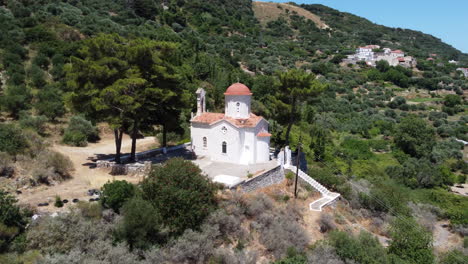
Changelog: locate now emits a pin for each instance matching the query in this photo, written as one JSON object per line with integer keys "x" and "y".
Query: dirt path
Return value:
{"x": 84, "y": 177}
{"x": 444, "y": 240}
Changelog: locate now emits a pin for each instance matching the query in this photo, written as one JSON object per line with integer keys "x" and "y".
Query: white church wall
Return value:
{"x": 248, "y": 151}
{"x": 237, "y": 106}
{"x": 263, "y": 149}
{"x": 198, "y": 132}
{"x": 234, "y": 141}
{"x": 214, "y": 143}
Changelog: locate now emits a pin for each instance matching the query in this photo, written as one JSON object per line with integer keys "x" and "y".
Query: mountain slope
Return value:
{"x": 350, "y": 30}
{"x": 266, "y": 12}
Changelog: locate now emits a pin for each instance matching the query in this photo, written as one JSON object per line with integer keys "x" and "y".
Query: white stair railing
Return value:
{"x": 327, "y": 196}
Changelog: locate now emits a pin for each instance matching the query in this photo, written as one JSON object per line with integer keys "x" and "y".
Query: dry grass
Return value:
{"x": 266, "y": 12}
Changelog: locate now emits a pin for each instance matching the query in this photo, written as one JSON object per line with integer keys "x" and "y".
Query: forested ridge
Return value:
{"x": 389, "y": 139}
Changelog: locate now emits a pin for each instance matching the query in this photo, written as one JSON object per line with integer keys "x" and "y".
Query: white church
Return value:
{"x": 235, "y": 136}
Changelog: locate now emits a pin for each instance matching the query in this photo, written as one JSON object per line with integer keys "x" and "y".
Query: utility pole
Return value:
{"x": 297, "y": 164}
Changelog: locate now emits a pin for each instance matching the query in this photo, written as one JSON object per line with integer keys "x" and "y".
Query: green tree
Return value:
{"x": 125, "y": 83}
{"x": 363, "y": 248}
{"x": 12, "y": 140}
{"x": 296, "y": 86}
{"x": 141, "y": 224}
{"x": 414, "y": 136}
{"x": 452, "y": 100}
{"x": 145, "y": 8}
{"x": 50, "y": 102}
{"x": 411, "y": 242}
{"x": 382, "y": 65}
{"x": 79, "y": 132}
{"x": 16, "y": 99}
{"x": 12, "y": 220}
{"x": 116, "y": 193}
{"x": 101, "y": 63}
{"x": 320, "y": 138}
{"x": 180, "y": 193}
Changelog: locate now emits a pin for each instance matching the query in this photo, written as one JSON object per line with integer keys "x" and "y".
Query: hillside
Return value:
{"x": 354, "y": 30}
{"x": 83, "y": 80}
{"x": 266, "y": 12}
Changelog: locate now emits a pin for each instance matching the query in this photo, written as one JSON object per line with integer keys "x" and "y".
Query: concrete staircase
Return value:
{"x": 327, "y": 196}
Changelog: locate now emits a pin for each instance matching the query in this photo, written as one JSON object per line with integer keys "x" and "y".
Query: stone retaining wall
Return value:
{"x": 273, "y": 176}
{"x": 137, "y": 168}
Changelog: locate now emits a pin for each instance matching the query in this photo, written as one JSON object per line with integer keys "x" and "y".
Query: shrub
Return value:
{"x": 12, "y": 220}
{"x": 12, "y": 140}
{"x": 37, "y": 123}
{"x": 116, "y": 193}
{"x": 16, "y": 99}
{"x": 50, "y": 102}
{"x": 446, "y": 149}
{"x": 80, "y": 131}
{"x": 60, "y": 234}
{"x": 324, "y": 254}
{"x": 356, "y": 149}
{"x": 58, "y": 202}
{"x": 364, "y": 248}
{"x": 386, "y": 196}
{"x": 141, "y": 224}
{"x": 90, "y": 210}
{"x": 454, "y": 257}
{"x": 279, "y": 233}
{"x": 37, "y": 76}
{"x": 326, "y": 222}
{"x": 6, "y": 165}
{"x": 180, "y": 193}
{"x": 411, "y": 242}
{"x": 257, "y": 205}
{"x": 244, "y": 256}
{"x": 421, "y": 174}
{"x": 228, "y": 225}
{"x": 51, "y": 166}
{"x": 75, "y": 138}
{"x": 414, "y": 136}
{"x": 379, "y": 145}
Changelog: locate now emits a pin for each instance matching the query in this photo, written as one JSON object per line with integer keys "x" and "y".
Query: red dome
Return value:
{"x": 238, "y": 89}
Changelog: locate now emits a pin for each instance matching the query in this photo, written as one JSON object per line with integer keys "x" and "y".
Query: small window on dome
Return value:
{"x": 238, "y": 107}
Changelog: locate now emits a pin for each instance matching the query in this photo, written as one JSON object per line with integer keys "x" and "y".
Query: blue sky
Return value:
{"x": 445, "y": 19}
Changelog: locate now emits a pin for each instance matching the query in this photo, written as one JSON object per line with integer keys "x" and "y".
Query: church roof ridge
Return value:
{"x": 212, "y": 118}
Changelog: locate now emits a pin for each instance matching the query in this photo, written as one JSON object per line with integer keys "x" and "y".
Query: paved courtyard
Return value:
{"x": 222, "y": 172}
{"x": 213, "y": 169}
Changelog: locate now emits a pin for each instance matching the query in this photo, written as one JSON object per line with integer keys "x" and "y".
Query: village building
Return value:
{"x": 366, "y": 53}
{"x": 371, "y": 54}
{"x": 235, "y": 136}
{"x": 464, "y": 71}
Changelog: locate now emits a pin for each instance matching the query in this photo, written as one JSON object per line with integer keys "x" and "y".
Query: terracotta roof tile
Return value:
{"x": 263, "y": 134}
{"x": 238, "y": 89}
{"x": 211, "y": 118}
{"x": 208, "y": 118}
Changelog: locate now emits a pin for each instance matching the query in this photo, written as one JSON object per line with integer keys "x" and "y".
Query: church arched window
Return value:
{"x": 238, "y": 107}
{"x": 224, "y": 147}
{"x": 205, "y": 142}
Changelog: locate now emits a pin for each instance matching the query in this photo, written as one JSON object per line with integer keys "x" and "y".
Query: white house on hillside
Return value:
{"x": 464, "y": 71}
{"x": 366, "y": 53}
{"x": 235, "y": 136}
